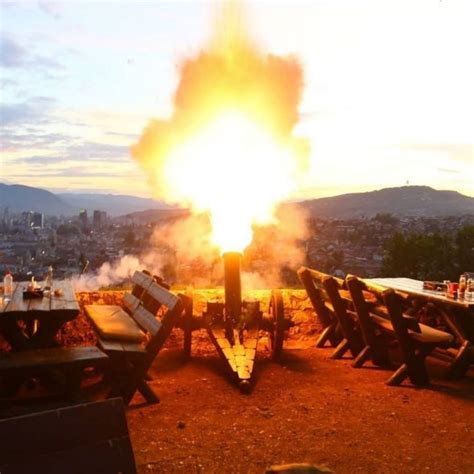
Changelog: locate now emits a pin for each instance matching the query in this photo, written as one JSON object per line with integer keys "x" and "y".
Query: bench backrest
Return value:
{"x": 144, "y": 309}
{"x": 92, "y": 437}
{"x": 146, "y": 299}
{"x": 313, "y": 280}
{"x": 368, "y": 299}
{"x": 371, "y": 299}
{"x": 344, "y": 311}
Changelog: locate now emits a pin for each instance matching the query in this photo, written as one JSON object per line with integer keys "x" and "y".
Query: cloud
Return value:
{"x": 97, "y": 151}
{"x": 447, "y": 170}
{"x": 13, "y": 55}
{"x": 7, "y": 83}
{"x": 52, "y": 9}
{"x": 41, "y": 160}
{"x": 459, "y": 152}
{"x": 15, "y": 141}
{"x": 132, "y": 136}
{"x": 32, "y": 111}
{"x": 89, "y": 152}
{"x": 71, "y": 172}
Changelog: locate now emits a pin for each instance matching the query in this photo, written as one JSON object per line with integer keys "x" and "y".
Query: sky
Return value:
{"x": 388, "y": 97}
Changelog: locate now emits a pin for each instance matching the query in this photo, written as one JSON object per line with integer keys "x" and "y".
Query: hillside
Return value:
{"x": 402, "y": 201}
{"x": 153, "y": 215}
{"x": 113, "y": 204}
{"x": 20, "y": 198}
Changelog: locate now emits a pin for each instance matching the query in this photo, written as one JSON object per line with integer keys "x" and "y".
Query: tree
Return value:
{"x": 420, "y": 256}
{"x": 465, "y": 248}
{"x": 386, "y": 218}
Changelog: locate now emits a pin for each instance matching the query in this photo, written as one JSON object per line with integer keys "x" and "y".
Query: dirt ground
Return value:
{"x": 308, "y": 408}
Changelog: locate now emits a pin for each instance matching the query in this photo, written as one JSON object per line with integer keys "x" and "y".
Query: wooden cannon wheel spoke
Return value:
{"x": 277, "y": 314}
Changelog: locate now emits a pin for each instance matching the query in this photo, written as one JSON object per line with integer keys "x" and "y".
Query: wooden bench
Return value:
{"x": 15, "y": 367}
{"x": 331, "y": 302}
{"x": 85, "y": 438}
{"x": 312, "y": 281}
{"x": 416, "y": 341}
{"x": 132, "y": 336}
{"x": 343, "y": 308}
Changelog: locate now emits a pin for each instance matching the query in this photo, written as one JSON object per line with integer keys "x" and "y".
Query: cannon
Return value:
{"x": 234, "y": 325}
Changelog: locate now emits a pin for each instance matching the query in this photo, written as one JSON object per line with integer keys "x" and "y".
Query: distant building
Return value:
{"x": 27, "y": 218}
{"x": 38, "y": 220}
{"x": 83, "y": 221}
{"x": 99, "y": 219}
{"x": 6, "y": 219}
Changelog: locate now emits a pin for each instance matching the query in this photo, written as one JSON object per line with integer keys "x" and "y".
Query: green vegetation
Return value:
{"x": 432, "y": 256}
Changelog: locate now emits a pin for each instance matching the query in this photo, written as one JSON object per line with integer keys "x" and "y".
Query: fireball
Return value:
{"x": 229, "y": 149}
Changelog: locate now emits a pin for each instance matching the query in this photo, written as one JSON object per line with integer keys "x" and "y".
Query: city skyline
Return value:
{"x": 387, "y": 98}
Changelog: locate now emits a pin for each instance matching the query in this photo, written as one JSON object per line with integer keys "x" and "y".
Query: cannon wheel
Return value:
{"x": 188, "y": 323}
{"x": 277, "y": 314}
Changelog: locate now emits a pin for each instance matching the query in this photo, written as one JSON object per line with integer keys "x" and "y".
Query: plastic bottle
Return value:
{"x": 49, "y": 278}
{"x": 8, "y": 286}
{"x": 469, "y": 294}
{"x": 462, "y": 285}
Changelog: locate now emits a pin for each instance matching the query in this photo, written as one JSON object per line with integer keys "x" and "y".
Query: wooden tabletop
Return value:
{"x": 415, "y": 288}
{"x": 65, "y": 305}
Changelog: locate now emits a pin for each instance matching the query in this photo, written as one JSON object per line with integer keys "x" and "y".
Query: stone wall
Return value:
{"x": 297, "y": 307}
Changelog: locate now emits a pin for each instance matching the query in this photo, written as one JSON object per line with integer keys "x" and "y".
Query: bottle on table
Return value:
{"x": 49, "y": 278}
{"x": 469, "y": 293}
{"x": 8, "y": 286}
{"x": 462, "y": 285}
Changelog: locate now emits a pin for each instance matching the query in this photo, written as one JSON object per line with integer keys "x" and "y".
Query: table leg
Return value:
{"x": 14, "y": 335}
{"x": 415, "y": 306}
{"x": 458, "y": 325}
{"x": 45, "y": 334}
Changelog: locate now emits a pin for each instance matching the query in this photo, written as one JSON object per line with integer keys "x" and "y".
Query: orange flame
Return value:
{"x": 229, "y": 149}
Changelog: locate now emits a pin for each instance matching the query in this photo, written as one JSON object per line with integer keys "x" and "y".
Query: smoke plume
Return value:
{"x": 231, "y": 74}
{"x": 230, "y": 192}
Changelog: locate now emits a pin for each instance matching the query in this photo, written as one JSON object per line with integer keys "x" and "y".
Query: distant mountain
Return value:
{"x": 20, "y": 198}
{"x": 402, "y": 201}
{"x": 113, "y": 204}
{"x": 154, "y": 215}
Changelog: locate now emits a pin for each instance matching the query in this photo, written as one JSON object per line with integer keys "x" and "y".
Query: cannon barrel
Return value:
{"x": 233, "y": 289}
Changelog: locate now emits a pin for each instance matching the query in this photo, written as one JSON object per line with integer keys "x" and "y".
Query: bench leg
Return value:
{"x": 379, "y": 352}
{"x": 363, "y": 356}
{"x": 73, "y": 383}
{"x": 417, "y": 371}
{"x": 148, "y": 393}
{"x": 148, "y": 377}
{"x": 137, "y": 381}
{"x": 417, "y": 367}
{"x": 341, "y": 349}
{"x": 326, "y": 335}
{"x": 9, "y": 386}
{"x": 188, "y": 325}
{"x": 460, "y": 364}
{"x": 399, "y": 376}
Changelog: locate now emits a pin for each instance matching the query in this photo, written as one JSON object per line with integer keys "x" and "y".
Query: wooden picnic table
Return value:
{"x": 457, "y": 314}
{"x": 33, "y": 323}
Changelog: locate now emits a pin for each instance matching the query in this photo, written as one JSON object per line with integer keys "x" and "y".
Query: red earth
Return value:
{"x": 306, "y": 408}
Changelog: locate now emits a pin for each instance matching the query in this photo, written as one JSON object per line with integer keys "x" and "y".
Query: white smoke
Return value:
{"x": 111, "y": 274}
{"x": 181, "y": 252}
